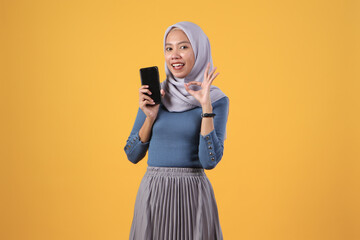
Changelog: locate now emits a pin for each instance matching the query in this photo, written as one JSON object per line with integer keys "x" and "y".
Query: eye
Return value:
{"x": 184, "y": 47}
{"x": 168, "y": 48}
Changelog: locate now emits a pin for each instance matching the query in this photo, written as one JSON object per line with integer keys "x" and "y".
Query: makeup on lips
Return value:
{"x": 178, "y": 65}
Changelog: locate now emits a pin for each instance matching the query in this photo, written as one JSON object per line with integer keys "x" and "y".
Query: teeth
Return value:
{"x": 178, "y": 64}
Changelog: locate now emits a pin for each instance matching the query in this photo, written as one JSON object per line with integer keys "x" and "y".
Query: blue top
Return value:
{"x": 176, "y": 141}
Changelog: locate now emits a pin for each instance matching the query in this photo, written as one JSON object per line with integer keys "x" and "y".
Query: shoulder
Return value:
{"x": 222, "y": 102}
{"x": 221, "y": 106}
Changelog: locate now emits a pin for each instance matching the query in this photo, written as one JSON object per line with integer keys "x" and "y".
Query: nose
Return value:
{"x": 175, "y": 54}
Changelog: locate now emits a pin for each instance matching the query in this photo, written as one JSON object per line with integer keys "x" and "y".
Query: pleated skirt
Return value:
{"x": 175, "y": 204}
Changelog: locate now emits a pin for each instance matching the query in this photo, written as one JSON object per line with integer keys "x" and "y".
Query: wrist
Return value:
{"x": 207, "y": 107}
{"x": 150, "y": 119}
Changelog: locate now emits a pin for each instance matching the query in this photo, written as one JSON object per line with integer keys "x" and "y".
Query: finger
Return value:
{"x": 145, "y": 91}
{"x": 193, "y": 83}
{"x": 210, "y": 76}
{"x": 148, "y": 99}
{"x": 145, "y": 97}
{"x": 188, "y": 89}
{"x": 162, "y": 92}
{"x": 147, "y": 102}
{"x": 212, "y": 72}
{"x": 144, "y": 86}
{"x": 213, "y": 77}
{"x": 207, "y": 70}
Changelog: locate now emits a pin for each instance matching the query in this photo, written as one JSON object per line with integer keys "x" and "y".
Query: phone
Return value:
{"x": 150, "y": 76}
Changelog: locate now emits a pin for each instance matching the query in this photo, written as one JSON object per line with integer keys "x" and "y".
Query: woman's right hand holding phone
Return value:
{"x": 147, "y": 105}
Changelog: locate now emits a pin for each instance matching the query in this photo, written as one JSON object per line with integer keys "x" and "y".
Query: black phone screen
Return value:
{"x": 150, "y": 76}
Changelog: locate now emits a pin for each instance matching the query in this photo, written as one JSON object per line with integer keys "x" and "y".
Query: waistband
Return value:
{"x": 174, "y": 171}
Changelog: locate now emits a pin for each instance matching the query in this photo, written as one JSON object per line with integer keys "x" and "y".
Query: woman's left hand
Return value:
{"x": 203, "y": 95}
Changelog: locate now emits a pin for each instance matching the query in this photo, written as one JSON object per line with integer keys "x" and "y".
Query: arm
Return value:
{"x": 211, "y": 143}
{"x": 137, "y": 143}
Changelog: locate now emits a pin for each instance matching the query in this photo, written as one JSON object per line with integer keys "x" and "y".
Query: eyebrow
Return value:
{"x": 177, "y": 43}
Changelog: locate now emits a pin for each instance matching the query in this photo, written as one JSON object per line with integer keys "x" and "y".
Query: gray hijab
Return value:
{"x": 176, "y": 98}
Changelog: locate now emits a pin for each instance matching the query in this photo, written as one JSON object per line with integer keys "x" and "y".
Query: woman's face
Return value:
{"x": 179, "y": 55}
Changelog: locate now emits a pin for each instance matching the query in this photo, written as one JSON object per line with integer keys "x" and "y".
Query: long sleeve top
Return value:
{"x": 176, "y": 141}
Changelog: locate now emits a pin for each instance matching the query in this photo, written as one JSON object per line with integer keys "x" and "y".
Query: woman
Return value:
{"x": 175, "y": 199}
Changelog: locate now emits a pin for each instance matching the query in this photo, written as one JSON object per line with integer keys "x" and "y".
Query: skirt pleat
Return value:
{"x": 175, "y": 204}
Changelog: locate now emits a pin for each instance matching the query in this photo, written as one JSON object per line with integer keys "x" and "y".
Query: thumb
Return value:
{"x": 162, "y": 92}
{"x": 188, "y": 89}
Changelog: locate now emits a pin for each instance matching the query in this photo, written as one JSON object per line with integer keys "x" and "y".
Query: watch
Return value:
{"x": 207, "y": 115}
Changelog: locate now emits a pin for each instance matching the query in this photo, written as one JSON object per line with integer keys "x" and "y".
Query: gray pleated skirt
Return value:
{"x": 175, "y": 204}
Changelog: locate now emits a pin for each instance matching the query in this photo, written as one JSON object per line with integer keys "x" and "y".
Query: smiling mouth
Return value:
{"x": 177, "y": 66}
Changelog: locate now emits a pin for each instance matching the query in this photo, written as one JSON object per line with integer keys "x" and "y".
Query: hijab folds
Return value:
{"x": 176, "y": 98}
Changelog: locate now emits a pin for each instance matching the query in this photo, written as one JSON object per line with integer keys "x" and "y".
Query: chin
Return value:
{"x": 179, "y": 75}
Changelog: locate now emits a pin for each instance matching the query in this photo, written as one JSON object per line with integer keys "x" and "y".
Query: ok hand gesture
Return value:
{"x": 203, "y": 95}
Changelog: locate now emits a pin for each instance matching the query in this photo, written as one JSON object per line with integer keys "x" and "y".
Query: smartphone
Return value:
{"x": 150, "y": 76}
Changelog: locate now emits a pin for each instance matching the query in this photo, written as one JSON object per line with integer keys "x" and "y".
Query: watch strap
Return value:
{"x": 207, "y": 115}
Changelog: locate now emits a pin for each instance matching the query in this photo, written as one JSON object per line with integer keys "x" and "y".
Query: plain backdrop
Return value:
{"x": 69, "y": 97}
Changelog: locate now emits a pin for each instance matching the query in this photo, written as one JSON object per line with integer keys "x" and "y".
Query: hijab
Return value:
{"x": 176, "y": 98}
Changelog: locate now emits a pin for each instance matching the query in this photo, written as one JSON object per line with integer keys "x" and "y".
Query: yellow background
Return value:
{"x": 69, "y": 96}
